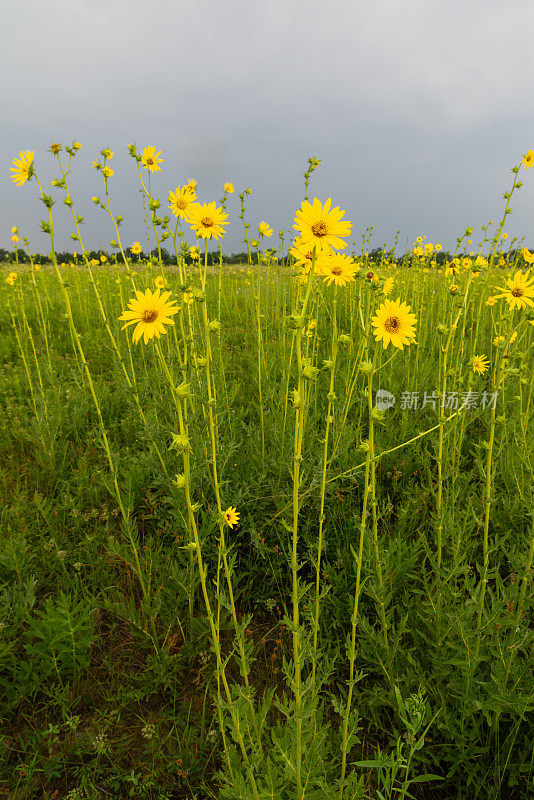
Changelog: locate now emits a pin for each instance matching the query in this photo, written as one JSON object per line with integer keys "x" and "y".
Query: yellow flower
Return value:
{"x": 528, "y": 160}
{"x": 103, "y": 259}
{"x": 22, "y": 168}
{"x": 150, "y": 160}
{"x": 429, "y": 248}
{"x": 37, "y": 267}
{"x": 321, "y": 227}
{"x": 419, "y": 251}
{"x": 520, "y": 291}
{"x": 439, "y": 247}
{"x": 527, "y": 255}
{"x": 151, "y": 312}
{"x": 15, "y": 238}
{"x": 191, "y": 184}
{"x": 505, "y": 235}
{"x": 338, "y": 269}
{"x": 136, "y": 248}
{"x": 491, "y": 301}
{"x": 180, "y": 200}
{"x": 480, "y": 364}
{"x": 231, "y": 517}
{"x": 108, "y": 154}
{"x": 194, "y": 252}
{"x": 77, "y": 145}
{"x": 14, "y": 229}
{"x": 388, "y": 286}
{"x": 206, "y": 220}
{"x": 453, "y": 289}
{"x": 94, "y": 262}
{"x": 229, "y": 188}
{"x": 11, "y": 278}
{"x": 55, "y": 148}
{"x": 107, "y": 172}
{"x": 394, "y": 323}
{"x": 513, "y": 337}
{"x": 498, "y": 340}
{"x": 160, "y": 282}
{"x": 303, "y": 255}
{"x": 264, "y": 229}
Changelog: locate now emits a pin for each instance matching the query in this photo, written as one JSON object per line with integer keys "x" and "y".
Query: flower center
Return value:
{"x": 517, "y": 292}
{"x": 150, "y": 315}
{"x": 149, "y": 160}
{"x": 207, "y": 222}
{"x": 336, "y": 271}
{"x": 181, "y": 203}
{"x": 320, "y": 228}
{"x": 392, "y": 324}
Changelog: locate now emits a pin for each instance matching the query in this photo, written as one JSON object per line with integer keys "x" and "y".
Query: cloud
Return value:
{"x": 418, "y": 108}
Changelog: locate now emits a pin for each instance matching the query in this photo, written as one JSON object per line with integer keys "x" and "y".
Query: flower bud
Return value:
{"x": 179, "y": 443}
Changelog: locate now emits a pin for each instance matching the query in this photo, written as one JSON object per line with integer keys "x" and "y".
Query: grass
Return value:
{"x": 107, "y": 661}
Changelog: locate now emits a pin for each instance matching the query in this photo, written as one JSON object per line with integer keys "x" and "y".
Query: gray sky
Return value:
{"x": 417, "y": 108}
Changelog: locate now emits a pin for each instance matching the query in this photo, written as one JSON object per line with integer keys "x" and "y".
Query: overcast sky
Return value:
{"x": 417, "y": 109}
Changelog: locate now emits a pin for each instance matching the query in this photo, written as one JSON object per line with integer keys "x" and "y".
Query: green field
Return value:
{"x": 116, "y": 680}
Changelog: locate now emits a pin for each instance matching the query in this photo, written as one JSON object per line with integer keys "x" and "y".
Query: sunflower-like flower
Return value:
{"x": 206, "y": 220}
{"x": 150, "y": 160}
{"x": 480, "y": 364}
{"x": 519, "y": 290}
{"x": 22, "y": 168}
{"x": 180, "y": 201}
{"x": 303, "y": 256}
{"x": 231, "y": 516}
{"x": 452, "y": 268}
{"x": 338, "y": 269}
{"x": 388, "y": 286}
{"x": 229, "y": 188}
{"x": 136, "y": 248}
{"x": 11, "y": 278}
{"x": 151, "y": 312}
{"x": 160, "y": 282}
{"x": 528, "y": 160}
{"x": 321, "y": 227}
{"x": 394, "y": 323}
{"x": 264, "y": 229}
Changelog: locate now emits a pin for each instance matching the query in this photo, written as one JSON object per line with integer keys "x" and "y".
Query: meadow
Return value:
{"x": 267, "y": 529}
